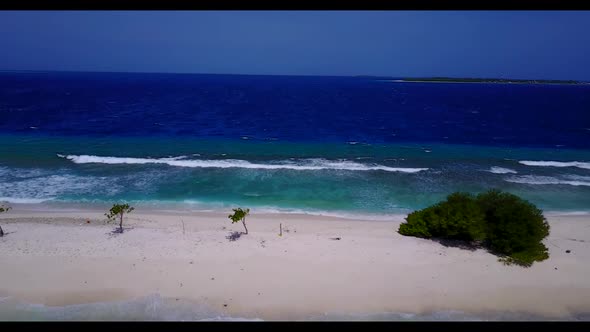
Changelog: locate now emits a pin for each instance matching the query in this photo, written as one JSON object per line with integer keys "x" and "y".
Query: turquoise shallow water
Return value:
{"x": 335, "y": 177}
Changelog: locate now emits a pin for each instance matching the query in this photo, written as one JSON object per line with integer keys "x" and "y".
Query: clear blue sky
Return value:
{"x": 517, "y": 44}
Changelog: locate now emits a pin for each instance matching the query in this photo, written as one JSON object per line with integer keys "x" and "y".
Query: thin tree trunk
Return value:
{"x": 1, "y": 232}
{"x": 244, "y": 222}
{"x": 121, "y": 223}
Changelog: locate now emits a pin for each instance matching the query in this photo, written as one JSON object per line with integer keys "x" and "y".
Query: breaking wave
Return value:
{"x": 501, "y": 170}
{"x": 302, "y": 165}
{"x": 579, "y": 164}
{"x": 533, "y": 179}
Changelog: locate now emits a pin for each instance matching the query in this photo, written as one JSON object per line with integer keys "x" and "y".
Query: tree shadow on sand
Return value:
{"x": 461, "y": 244}
{"x": 233, "y": 236}
{"x": 473, "y": 246}
{"x": 6, "y": 233}
{"x": 118, "y": 231}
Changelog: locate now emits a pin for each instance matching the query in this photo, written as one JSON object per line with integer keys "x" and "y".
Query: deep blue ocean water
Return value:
{"x": 331, "y": 144}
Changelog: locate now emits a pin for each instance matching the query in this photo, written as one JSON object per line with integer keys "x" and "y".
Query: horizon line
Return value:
{"x": 295, "y": 75}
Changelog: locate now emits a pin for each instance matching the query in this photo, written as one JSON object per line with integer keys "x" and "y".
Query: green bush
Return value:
{"x": 504, "y": 223}
{"x": 514, "y": 227}
{"x": 458, "y": 218}
{"x": 416, "y": 225}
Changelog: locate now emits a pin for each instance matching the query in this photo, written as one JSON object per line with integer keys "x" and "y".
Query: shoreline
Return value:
{"x": 55, "y": 258}
{"x": 183, "y": 208}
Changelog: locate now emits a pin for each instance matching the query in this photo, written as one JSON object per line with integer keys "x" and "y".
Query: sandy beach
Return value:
{"x": 56, "y": 258}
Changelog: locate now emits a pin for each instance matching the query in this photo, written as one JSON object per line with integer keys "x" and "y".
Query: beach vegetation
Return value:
{"x": 505, "y": 224}
{"x": 3, "y": 208}
{"x": 239, "y": 215}
{"x": 457, "y": 218}
{"x": 514, "y": 227}
{"x": 117, "y": 212}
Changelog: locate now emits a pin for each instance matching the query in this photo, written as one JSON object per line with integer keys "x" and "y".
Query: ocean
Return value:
{"x": 322, "y": 145}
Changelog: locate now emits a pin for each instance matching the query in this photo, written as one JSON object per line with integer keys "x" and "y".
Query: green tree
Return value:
{"x": 504, "y": 223}
{"x": 514, "y": 227}
{"x": 118, "y": 210}
{"x": 458, "y": 218}
{"x": 239, "y": 215}
{"x": 3, "y": 209}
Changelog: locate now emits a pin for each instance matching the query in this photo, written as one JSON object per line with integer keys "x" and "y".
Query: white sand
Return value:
{"x": 55, "y": 258}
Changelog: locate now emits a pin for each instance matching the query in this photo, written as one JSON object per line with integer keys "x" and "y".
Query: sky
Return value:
{"x": 508, "y": 44}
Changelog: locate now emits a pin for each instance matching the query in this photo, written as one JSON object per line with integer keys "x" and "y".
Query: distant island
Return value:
{"x": 488, "y": 80}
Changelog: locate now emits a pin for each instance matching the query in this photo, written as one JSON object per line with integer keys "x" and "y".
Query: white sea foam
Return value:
{"x": 579, "y": 164}
{"x": 49, "y": 187}
{"x": 22, "y": 173}
{"x": 150, "y": 308}
{"x": 17, "y": 200}
{"x": 156, "y": 308}
{"x": 194, "y": 205}
{"x": 442, "y": 315}
{"x": 303, "y": 165}
{"x": 335, "y": 214}
{"x": 231, "y": 319}
{"x": 501, "y": 170}
{"x": 577, "y": 177}
{"x": 543, "y": 180}
{"x": 567, "y": 213}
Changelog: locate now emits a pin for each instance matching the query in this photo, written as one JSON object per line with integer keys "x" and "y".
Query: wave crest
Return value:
{"x": 532, "y": 179}
{"x": 501, "y": 170}
{"x": 579, "y": 164}
{"x": 303, "y": 165}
